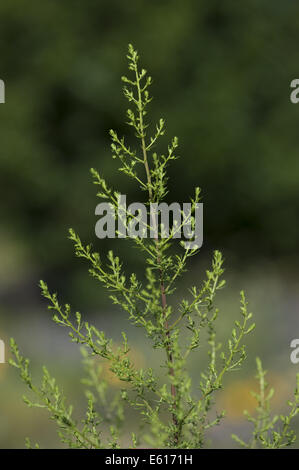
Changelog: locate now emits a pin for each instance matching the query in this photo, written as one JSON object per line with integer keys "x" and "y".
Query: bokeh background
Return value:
{"x": 222, "y": 73}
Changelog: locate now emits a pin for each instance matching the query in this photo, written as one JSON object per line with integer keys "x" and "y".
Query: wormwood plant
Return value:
{"x": 175, "y": 413}
{"x": 270, "y": 431}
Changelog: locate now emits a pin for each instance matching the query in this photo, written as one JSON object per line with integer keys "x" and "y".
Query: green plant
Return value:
{"x": 175, "y": 417}
{"x": 270, "y": 431}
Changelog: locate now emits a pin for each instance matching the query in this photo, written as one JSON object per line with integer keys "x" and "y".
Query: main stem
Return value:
{"x": 162, "y": 285}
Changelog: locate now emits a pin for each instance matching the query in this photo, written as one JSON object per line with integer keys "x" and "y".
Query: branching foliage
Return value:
{"x": 175, "y": 412}
{"x": 270, "y": 431}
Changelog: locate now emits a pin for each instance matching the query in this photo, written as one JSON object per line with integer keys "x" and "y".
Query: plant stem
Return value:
{"x": 162, "y": 285}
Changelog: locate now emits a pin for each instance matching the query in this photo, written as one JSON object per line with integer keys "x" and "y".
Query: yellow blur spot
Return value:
{"x": 137, "y": 359}
{"x": 237, "y": 396}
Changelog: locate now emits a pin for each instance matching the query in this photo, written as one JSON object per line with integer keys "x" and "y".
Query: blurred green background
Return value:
{"x": 222, "y": 73}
